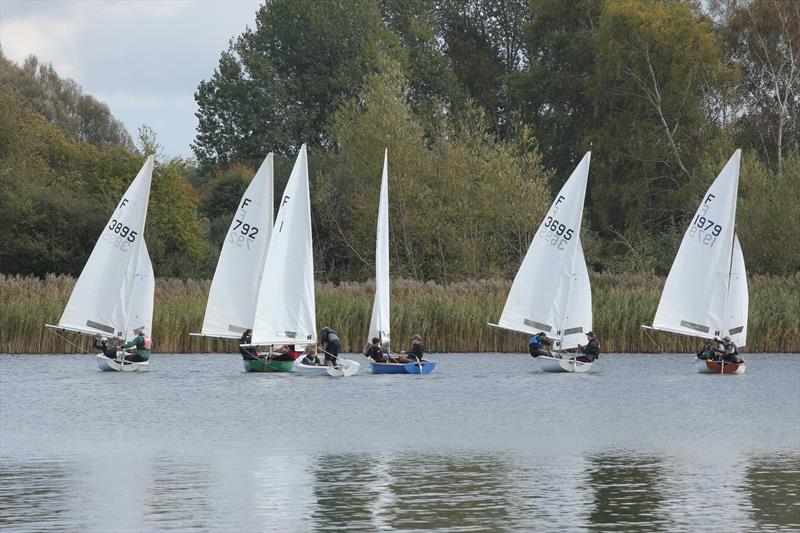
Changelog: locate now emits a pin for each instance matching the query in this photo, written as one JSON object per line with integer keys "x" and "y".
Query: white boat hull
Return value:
{"x": 345, "y": 368}
{"x": 116, "y": 365}
{"x": 556, "y": 364}
{"x": 717, "y": 367}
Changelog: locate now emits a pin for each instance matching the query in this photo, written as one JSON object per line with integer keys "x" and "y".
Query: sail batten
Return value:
{"x": 233, "y": 294}
{"x": 705, "y": 294}
{"x": 113, "y": 295}
{"x": 285, "y": 310}
{"x": 551, "y": 290}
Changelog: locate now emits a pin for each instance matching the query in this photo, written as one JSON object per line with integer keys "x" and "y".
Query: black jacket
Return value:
{"x": 417, "y": 352}
{"x": 591, "y": 350}
{"x": 108, "y": 349}
{"x": 375, "y": 353}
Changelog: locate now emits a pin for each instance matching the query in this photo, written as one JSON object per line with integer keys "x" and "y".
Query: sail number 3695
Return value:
{"x": 556, "y": 233}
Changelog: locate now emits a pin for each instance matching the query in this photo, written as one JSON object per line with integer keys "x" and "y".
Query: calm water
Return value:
{"x": 483, "y": 443}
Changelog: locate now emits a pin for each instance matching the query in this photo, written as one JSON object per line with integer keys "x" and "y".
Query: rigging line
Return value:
{"x": 659, "y": 348}
{"x": 69, "y": 341}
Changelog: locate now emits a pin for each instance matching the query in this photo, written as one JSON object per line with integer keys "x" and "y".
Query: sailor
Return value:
{"x": 536, "y": 346}
{"x": 331, "y": 344}
{"x": 311, "y": 358}
{"x": 417, "y": 351}
{"x": 143, "y": 345}
{"x": 707, "y": 351}
{"x": 730, "y": 352}
{"x": 286, "y": 353}
{"x": 591, "y": 351}
{"x": 109, "y": 349}
{"x": 375, "y": 352}
{"x": 249, "y": 353}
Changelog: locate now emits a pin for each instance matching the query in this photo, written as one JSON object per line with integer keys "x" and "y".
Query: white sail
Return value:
{"x": 285, "y": 312}
{"x": 696, "y": 293}
{"x": 738, "y": 299}
{"x": 551, "y": 290}
{"x": 114, "y": 293}
{"x": 379, "y": 323}
{"x": 234, "y": 290}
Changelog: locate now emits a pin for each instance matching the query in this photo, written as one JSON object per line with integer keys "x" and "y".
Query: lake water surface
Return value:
{"x": 485, "y": 443}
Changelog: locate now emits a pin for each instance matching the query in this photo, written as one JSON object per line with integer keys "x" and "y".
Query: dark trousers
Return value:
{"x": 135, "y": 358}
{"x": 332, "y": 348}
{"x": 536, "y": 352}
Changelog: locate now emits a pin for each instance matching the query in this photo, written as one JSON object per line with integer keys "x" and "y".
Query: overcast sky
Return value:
{"x": 144, "y": 58}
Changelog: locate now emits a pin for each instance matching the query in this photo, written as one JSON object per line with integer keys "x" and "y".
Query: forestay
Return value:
{"x": 234, "y": 290}
{"x": 705, "y": 294}
{"x": 285, "y": 310}
{"x": 379, "y": 323}
{"x": 551, "y": 291}
{"x": 114, "y": 294}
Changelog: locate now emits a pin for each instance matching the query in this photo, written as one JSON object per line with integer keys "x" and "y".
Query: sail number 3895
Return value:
{"x": 122, "y": 230}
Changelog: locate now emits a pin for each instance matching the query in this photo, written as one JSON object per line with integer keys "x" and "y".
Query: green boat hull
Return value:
{"x": 271, "y": 366}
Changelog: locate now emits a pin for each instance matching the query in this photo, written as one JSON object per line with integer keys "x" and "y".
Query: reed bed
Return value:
{"x": 452, "y": 318}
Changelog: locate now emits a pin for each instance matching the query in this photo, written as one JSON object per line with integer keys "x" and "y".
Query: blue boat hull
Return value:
{"x": 407, "y": 368}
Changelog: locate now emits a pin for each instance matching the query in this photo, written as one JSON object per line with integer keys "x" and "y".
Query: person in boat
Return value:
{"x": 375, "y": 352}
{"x": 109, "y": 349}
{"x": 538, "y": 344}
{"x": 143, "y": 345}
{"x": 707, "y": 351}
{"x": 286, "y": 353}
{"x": 416, "y": 353}
{"x": 729, "y": 352}
{"x": 311, "y": 358}
{"x": 591, "y": 351}
{"x": 331, "y": 345}
{"x": 249, "y": 353}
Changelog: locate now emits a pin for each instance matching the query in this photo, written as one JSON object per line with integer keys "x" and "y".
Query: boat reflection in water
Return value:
{"x": 603, "y": 491}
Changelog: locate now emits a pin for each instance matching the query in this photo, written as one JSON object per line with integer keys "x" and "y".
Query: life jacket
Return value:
{"x": 148, "y": 342}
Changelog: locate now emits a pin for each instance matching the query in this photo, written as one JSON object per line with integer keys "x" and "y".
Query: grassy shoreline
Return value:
{"x": 452, "y": 318}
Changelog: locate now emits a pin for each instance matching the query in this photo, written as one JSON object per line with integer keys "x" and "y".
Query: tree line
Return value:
{"x": 485, "y": 106}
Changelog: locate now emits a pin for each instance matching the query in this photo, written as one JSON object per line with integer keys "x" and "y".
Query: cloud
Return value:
{"x": 143, "y": 58}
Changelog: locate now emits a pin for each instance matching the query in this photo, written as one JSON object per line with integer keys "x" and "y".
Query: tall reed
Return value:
{"x": 451, "y": 318}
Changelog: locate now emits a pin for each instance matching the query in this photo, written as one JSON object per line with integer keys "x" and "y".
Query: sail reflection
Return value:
{"x": 410, "y": 491}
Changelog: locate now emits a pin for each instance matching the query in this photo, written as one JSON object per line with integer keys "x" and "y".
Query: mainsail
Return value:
{"x": 233, "y": 295}
{"x": 379, "y": 323}
{"x": 705, "y": 294}
{"x": 551, "y": 291}
{"x": 285, "y": 309}
{"x": 114, "y": 293}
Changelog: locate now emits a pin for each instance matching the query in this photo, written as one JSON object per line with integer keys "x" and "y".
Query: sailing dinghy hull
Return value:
{"x": 719, "y": 367}
{"x": 403, "y": 368}
{"x": 115, "y": 365}
{"x": 556, "y": 364}
{"x": 262, "y": 365}
{"x": 345, "y": 368}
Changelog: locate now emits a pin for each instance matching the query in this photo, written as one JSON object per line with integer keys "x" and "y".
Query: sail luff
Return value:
{"x": 104, "y": 294}
{"x": 379, "y": 323}
{"x": 543, "y": 295}
{"x": 233, "y": 295}
{"x": 695, "y": 295}
{"x": 285, "y": 309}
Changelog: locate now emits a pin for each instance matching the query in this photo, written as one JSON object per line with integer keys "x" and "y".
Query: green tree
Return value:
{"x": 651, "y": 119}
{"x": 277, "y": 84}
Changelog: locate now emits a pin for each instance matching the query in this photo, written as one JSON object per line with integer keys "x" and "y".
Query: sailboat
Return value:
{"x": 379, "y": 323}
{"x": 551, "y": 291}
{"x": 705, "y": 295}
{"x": 232, "y": 298}
{"x": 113, "y": 296}
{"x": 285, "y": 312}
